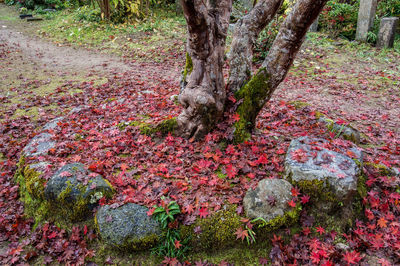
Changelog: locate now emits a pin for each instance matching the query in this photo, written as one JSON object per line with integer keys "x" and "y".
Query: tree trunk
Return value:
{"x": 259, "y": 89}
{"x": 203, "y": 97}
{"x": 178, "y": 7}
{"x": 245, "y": 35}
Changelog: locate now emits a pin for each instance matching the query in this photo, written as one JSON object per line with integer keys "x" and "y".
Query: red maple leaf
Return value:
{"x": 203, "y": 212}
{"x": 382, "y": 222}
{"x": 65, "y": 174}
{"x": 306, "y": 231}
{"x": 320, "y": 230}
{"x": 236, "y": 117}
{"x": 305, "y": 199}
{"x": 177, "y": 244}
{"x": 295, "y": 191}
{"x": 352, "y": 257}
{"x": 188, "y": 209}
{"x": 124, "y": 166}
{"x": 292, "y": 203}
{"x": 231, "y": 171}
{"x": 240, "y": 233}
{"x": 262, "y": 159}
{"x": 299, "y": 155}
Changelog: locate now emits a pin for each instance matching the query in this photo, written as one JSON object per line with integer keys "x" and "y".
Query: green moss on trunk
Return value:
{"x": 188, "y": 67}
{"x": 253, "y": 96}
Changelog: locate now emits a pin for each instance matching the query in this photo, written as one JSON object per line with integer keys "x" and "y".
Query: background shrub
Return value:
{"x": 340, "y": 19}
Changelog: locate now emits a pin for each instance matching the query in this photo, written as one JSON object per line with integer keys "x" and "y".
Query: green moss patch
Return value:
{"x": 216, "y": 231}
{"x": 164, "y": 127}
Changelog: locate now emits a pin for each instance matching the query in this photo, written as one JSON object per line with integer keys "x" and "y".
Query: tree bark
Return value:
{"x": 253, "y": 96}
{"x": 203, "y": 97}
{"x": 245, "y": 35}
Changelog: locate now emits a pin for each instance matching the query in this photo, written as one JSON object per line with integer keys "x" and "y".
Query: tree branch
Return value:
{"x": 245, "y": 35}
{"x": 289, "y": 39}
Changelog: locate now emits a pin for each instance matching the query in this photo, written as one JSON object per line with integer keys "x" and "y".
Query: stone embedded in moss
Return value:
{"x": 75, "y": 191}
{"x": 346, "y": 131}
{"x": 314, "y": 168}
{"x": 269, "y": 200}
{"x": 127, "y": 227}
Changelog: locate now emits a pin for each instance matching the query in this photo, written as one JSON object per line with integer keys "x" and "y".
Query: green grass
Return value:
{"x": 162, "y": 29}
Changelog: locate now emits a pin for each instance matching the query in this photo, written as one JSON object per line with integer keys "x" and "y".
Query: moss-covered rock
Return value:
{"x": 269, "y": 200}
{"x": 127, "y": 227}
{"x": 345, "y": 131}
{"x": 31, "y": 190}
{"x": 333, "y": 180}
{"x": 318, "y": 170}
{"x": 75, "y": 190}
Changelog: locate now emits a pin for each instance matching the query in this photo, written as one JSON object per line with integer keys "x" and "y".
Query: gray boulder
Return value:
{"x": 127, "y": 226}
{"x": 269, "y": 200}
{"x": 77, "y": 110}
{"x": 309, "y": 163}
{"x": 76, "y": 189}
{"x": 53, "y": 123}
{"x": 39, "y": 145}
{"x": 39, "y": 167}
{"x": 347, "y": 132}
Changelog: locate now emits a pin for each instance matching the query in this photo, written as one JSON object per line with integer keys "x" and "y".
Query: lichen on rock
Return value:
{"x": 269, "y": 200}
{"x": 73, "y": 189}
{"x": 319, "y": 170}
{"x": 39, "y": 145}
{"x": 127, "y": 226}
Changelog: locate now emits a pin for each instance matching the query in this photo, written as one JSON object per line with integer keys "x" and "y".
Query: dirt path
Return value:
{"x": 35, "y": 50}
{"x": 63, "y": 58}
{"x": 33, "y": 66}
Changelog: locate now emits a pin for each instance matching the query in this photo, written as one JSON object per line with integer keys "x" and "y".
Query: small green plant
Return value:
{"x": 171, "y": 245}
{"x": 371, "y": 37}
{"x": 248, "y": 232}
{"x": 389, "y": 8}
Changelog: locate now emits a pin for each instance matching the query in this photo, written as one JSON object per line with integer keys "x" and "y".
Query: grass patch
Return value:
{"x": 140, "y": 39}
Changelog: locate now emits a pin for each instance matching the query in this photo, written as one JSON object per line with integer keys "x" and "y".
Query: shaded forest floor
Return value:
{"x": 45, "y": 72}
